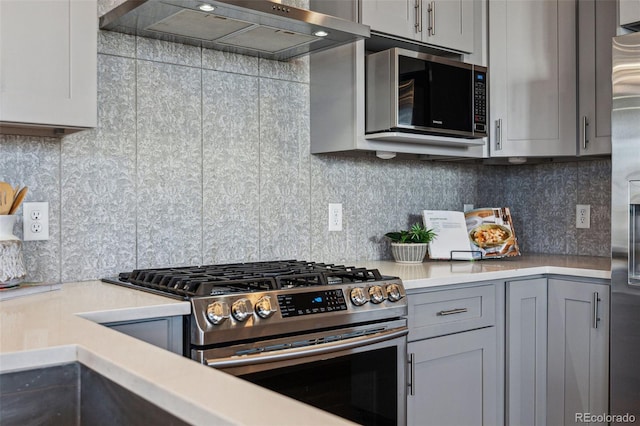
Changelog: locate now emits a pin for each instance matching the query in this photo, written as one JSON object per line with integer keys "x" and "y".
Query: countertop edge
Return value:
{"x": 416, "y": 284}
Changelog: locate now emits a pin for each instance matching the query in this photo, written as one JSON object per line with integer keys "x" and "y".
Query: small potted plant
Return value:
{"x": 410, "y": 246}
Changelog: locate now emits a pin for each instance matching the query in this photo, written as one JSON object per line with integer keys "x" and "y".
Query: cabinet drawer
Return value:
{"x": 451, "y": 311}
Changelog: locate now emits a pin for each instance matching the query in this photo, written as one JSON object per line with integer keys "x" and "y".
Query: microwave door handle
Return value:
{"x": 287, "y": 354}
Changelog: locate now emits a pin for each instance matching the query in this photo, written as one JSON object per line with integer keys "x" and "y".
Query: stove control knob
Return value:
{"x": 358, "y": 297}
{"x": 376, "y": 294}
{"x": 393, "y": 292}
{"x": 264, "y": 308}
{"x": 241, "y": 309}
{"x": 217, "y": 312}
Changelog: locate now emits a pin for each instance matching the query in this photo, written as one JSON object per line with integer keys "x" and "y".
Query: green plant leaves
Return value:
{"x": 416, "y": 234}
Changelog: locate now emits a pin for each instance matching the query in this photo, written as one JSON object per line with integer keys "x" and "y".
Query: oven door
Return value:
{"x": 357, "y": 373}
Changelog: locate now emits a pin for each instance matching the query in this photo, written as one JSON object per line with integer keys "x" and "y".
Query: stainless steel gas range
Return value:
{"x": 332, "y": 336}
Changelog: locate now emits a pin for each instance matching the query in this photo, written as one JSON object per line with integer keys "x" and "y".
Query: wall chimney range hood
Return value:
{"x": 263, "y": 28}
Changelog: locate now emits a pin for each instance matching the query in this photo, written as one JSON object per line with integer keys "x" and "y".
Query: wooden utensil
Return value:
{"x": 6, "y": 197}
{"x": 17, "y": 200}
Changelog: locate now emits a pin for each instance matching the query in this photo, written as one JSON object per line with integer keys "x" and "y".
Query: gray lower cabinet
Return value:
{"x": 453, "y": 379}
{"x": 526, "y": 352}
{"x": 165, "y": 333}
{"x": 453, "y": 356}
{"x": 556, "y": 350}
{"x": 578, "y": 350}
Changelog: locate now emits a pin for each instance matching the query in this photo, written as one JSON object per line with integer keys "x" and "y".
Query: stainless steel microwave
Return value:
{"x": 413, "y": 92}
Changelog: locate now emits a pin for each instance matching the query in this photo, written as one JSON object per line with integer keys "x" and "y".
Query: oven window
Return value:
{"x": 360, "y": 387}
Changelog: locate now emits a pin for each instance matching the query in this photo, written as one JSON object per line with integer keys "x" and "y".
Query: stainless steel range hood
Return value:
{"x": 261, "y": 28}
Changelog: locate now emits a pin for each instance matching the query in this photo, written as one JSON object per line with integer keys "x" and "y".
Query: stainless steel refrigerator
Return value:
{"x": 625, "y": 228}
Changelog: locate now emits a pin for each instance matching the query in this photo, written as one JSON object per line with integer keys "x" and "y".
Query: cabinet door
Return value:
{"x": 48, "y": 56}
{"x": 596, "y": 27}
{"x": 629, "y": 12}
{"x": 453, "y": 380}
{"x": 165, "y": 333}
{"x": 532, "y": 57}
{"x": 448, "y": 24}
{"x": 578, "y": 350}
{"x": 395, "y": 17}
{"x": 526, "y": 352}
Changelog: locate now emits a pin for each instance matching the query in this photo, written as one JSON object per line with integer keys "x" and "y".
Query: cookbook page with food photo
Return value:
{"x": 476, "y": 234}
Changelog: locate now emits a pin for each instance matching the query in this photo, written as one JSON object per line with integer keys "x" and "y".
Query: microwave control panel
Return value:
{"x": 479, "y": 102}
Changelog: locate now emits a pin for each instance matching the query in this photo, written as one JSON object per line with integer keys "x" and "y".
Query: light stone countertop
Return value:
{"x": 440, "y": 273}
{"x": 60, "y": 327}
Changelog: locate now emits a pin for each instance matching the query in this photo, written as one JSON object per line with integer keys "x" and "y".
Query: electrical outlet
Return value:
{"x": 583, "y": 216}
{"x": 35, "y": 221}
{"x": 335, "y": 217}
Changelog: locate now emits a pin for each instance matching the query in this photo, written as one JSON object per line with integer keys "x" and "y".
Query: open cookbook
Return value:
{"x": 476, "y": 234}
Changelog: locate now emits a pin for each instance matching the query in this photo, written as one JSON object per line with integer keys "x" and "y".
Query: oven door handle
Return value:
{"x": 307, "y": 351}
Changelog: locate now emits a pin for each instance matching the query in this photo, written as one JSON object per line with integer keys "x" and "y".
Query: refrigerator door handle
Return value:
{"x": 596, "y": 314}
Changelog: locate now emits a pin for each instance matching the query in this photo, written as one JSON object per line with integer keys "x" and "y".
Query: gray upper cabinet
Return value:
{"x": 394, "y": 17}
{"x": 550, "y": 77}
{"x": 532, "y": 68}
{"x": 629, "y": 13}
{"x": 578, "y": 350}
{"x": 596, "y": 27}
{"x": 447, "y": 24}
{"x": 48, "y": 66}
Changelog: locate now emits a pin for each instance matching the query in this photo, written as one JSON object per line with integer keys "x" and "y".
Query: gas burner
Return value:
{"x": 209, "y": 280}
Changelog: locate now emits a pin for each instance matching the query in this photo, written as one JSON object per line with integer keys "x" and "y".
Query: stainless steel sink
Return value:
{"x": 72, "y": 394}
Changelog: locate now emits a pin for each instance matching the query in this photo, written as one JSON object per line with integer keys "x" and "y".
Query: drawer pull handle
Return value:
{"x": 412, "y": 374}
{"x": 452, "y": 312}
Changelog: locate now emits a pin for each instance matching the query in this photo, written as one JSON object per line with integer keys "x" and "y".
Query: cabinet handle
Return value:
{"x": 596, "y": 314}
{"x": 452, "y": 312}
{"x": 418, "y": 11}
{"x": 585, "y": 138}
{"x": 499, "y": 134}
{"x": 412, "y": 374}
{"x": 432, "y": 18}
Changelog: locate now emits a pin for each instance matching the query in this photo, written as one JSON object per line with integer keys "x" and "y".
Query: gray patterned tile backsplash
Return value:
{"x": 203, "y": 157}
{"x": 231, "y": 159}
{"x": 99, "y": 182}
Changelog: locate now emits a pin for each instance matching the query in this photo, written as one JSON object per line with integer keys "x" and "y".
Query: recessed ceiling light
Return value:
{"x": 206, "y": 7}
{"x": 321, "y": 33}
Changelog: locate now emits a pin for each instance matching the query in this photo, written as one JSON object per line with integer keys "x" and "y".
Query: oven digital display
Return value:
{"x": 293, "y": 305}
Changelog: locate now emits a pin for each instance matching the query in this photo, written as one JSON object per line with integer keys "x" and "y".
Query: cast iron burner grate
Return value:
{"x": 209, "y": 280}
